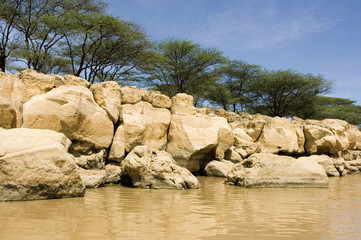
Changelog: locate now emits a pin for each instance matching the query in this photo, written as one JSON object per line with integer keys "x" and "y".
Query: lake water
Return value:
{"x": 216, "y": 211}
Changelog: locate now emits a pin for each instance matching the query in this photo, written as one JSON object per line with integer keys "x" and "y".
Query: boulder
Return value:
{"x": 354, "y": 137}
{"x": 320, "y": 140}
{"x": 145, "y": 167}
{"x": 269, "y": 170}
{"x": 146, "y": 96}
{"x": 70, "y": 110}
{"x": 339, "y": 129}
{"x": 160, "y": 100}
{"x": 108, "y": 96}
{"x": 117, "y": 150}
{"x": 351, "y": 155}
{"x": 326, "y": 162}
{"x": 232, "y": 155}
{"x": 191, "y": 138}
{"x": 218, "y": 168}
{"x": 35, "y": 164}
{"x": 130, "y": 95}
{"x": 39, "y": 83}
{"x": 225, "y": 142}
{"x": 13, "y": 94}
{"x": 182, "y": 104}
{"x": 92, "y": 161}
{"x": 93, "y": 178}
{"x": 145, "y": 125}
{"x": 113, "y": 173}
{"x": 278, "y": 135}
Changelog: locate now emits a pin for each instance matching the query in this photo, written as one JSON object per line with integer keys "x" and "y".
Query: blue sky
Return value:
{"x": 310, "y": 36}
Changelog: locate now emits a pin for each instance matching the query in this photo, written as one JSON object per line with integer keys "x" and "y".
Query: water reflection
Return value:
{"x": 216, "y": 211}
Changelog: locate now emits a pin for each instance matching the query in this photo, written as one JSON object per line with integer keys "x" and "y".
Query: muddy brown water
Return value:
{"x": 216, "y": 211}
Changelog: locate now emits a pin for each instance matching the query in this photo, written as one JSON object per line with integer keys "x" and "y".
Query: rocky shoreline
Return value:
{"x": 60, "y": 135}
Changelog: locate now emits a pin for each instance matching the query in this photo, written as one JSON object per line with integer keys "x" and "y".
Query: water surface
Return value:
{"x": 216, "y": 211}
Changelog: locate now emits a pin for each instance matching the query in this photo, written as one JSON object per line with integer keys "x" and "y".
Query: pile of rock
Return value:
{"x": 145, "y": 139}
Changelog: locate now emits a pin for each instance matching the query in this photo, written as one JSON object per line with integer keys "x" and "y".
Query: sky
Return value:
{"x": 321, "y": 37}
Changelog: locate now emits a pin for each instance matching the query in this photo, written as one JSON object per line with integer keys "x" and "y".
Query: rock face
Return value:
{"x": 149, "y": 168}
{"x": 269, "y": 170}
{"x": 278, "y": 135}
{"x": 70, "y": 110}
{"x": 13, "y": 94}
{"x": 108, "y": 96}
{"x": 145, "y": 125}
{"x": 39, "y": 83}
{"x": 218, "y": 168}
{"x": 192, "y": 137}
{"x": 35, "y": 164}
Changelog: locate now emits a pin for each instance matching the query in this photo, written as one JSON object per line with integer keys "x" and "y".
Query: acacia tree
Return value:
{"x": 101, "y": 47}
{"x": 181, "y": 66}
{"x": 9, "y": 13}
{"x": 233, "y": 87}
{"x": 286, "y": 93}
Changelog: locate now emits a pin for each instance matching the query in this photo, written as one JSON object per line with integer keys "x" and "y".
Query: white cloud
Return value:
{"x": 255, "y": 25}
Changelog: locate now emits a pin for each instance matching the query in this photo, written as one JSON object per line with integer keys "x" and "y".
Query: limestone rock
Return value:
{"x": 113, "y": 173}
{"x": 145, "y": 125}
{"x": 269, "y": 170}
{"x": 39, "y": 83}
{"x": 225, "y": 142}
{"x": 93, "y": 178}
{"x": 92, "y": 161}
{"x": 278, "y": 135}
{"x": 117, "y": 150}
{"x": 192, "y": 137}
{"x": 319, "y": 140}
{"x": 149, "y": 168}
{"x": 72, "y": 111}
{"x": 354, "y": 137}
{"x": 351, "y": 155}
{"x": 339, "y": 129}
{"x": 35, "y": 164}
{"x": 218, "y": 168}
{"x": 130, "y": 95}
{"x": 254, "y": 128}
{"x": 108, "y": 96}
{"x": 160, "y": 100}
{"x": 13, "y": 94}
{"x": 326, "y": 162}
{"x": 182, "y": 104}
{"x": 232, "y": 155}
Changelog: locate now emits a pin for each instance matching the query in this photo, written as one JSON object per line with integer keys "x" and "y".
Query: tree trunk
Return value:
{"x": 2, "y": 62}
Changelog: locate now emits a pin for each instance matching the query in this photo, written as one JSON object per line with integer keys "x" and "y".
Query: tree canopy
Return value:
{"x": 183, "y": 66}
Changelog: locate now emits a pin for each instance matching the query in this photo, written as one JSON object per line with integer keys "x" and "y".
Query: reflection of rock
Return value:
{"x": 269, "y": 170}
{"x": 72, "y": 111}
{"x": 35, "y": 164}
{"x": 149, "y": 168}
{"x": 218, "y": 168}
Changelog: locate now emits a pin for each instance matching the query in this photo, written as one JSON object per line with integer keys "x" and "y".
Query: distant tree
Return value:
{"x": 338, "y": 108}
{"x": 286, "y": 93}
{"x": 9, "y": 13}
{"x": 236, "y": 77}
{"x": 101, "y": 47}
{"x": 183, "y": 66}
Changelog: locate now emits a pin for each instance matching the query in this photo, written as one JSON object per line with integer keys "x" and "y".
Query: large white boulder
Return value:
{"x": 192, "y": 137}
{"x": 218, "y": 168}
{"x": 70, "y": 110}
{"x": 145, "y": 167}
{"x": 108, "y": 96}
{"x": 145, "y": 125}
{"x": 13, "y": 94}
{"x": 35, "y": 164}
{"x": 269, "y": 170}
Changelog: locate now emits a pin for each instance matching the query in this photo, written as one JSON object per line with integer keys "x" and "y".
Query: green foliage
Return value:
{"x": 183, "y": 66}
{"x": 286, "y": 93}
{"x": 234, "y": 85}
{"x": 101, "y": 47}
{"x": 339, "y": 108}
